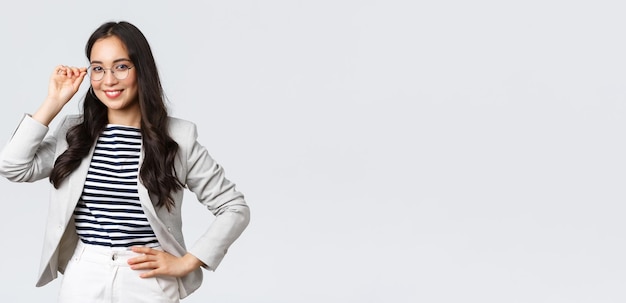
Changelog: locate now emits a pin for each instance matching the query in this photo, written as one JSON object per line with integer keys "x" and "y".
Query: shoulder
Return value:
{"x": 68, "y": 122}
{"x": 175, "y": 123}
{"x": 71, "y": 120}
{"x": 181, "y": 130}
{"x": 178, "y": 126}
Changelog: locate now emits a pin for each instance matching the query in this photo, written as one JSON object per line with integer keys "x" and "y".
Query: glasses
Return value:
{"x": 120, "y": 71}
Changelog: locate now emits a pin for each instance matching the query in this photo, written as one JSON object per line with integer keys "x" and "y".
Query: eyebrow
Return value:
{"x": 114, "y": 61}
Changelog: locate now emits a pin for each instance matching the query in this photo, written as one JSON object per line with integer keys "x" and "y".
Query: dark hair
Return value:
{"x": 157, "y": 170}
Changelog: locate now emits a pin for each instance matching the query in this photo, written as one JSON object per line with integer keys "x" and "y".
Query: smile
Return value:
{"x": 112, "y": 93}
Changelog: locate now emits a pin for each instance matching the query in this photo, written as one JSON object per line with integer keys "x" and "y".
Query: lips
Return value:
{"x": 112, "y": 93}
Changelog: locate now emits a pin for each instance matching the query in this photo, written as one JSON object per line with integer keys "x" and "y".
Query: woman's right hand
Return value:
{"x": 64, "y": 83}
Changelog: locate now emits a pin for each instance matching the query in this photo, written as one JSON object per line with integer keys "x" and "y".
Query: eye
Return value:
{"x": 122, "y": 67}
{"x": 97, "y": 69}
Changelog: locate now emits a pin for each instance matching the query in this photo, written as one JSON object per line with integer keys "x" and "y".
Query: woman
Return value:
{"x": 118, "y": 172}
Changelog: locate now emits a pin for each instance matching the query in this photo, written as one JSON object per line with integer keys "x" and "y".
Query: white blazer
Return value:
{"x": 30, "y": 154}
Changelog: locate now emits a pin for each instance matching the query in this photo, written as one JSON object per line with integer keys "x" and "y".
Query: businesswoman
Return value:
{"x": 117, "y": 172}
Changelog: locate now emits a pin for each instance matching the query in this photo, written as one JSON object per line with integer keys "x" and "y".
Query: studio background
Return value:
{"x": 390, "y": 151}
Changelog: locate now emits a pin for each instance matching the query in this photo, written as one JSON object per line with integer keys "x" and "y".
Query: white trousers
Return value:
{"x": 98, "y": 274}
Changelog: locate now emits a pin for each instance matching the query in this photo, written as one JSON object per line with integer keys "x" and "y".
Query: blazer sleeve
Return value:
{"x": 206, "y": 178}
{"x": 29, "y": 154}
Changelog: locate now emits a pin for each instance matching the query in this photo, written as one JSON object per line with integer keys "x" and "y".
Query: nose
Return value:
{"x": 109, "y": 78}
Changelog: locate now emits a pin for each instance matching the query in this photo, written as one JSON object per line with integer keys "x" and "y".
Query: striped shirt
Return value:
{"x": 109, "y": 212}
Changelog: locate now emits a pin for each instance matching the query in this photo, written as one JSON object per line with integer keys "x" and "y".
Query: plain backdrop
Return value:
{"x": 390, "y": 151}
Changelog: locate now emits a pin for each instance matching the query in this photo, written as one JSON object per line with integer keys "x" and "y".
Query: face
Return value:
{"x": 110, "y": 59}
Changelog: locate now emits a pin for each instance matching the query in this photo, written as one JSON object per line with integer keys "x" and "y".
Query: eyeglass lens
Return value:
{"x": 120, "y": 72}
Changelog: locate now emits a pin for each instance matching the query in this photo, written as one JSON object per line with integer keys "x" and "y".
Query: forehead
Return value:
{"x": 108, "y": 50}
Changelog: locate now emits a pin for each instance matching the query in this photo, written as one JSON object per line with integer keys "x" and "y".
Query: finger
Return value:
{"x": 144, "y": 250}
{"x": 59, "y": 70}
{"x": 80, "y": 77}
{"x": 150, "y": 274}
{"x": 66, "y": 71}
{"x": 141, "y": 259}
{"x": 75, "y": 71}
{"x": 145, "y": 265}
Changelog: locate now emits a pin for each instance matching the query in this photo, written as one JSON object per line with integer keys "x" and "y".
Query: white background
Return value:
{"x": 390, "y": 151}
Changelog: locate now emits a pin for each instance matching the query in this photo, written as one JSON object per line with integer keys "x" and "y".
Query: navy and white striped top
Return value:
{"x": 109, "y": 212}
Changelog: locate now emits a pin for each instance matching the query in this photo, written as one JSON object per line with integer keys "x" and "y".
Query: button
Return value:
{"x": 114, "y": 257}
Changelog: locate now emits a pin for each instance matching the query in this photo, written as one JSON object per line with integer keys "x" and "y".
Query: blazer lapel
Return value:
{"x": 166, "y": 239}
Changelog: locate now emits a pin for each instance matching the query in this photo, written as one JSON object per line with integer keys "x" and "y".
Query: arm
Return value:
{"x": 206, "y": 178}
{"x": 29, "y": 155}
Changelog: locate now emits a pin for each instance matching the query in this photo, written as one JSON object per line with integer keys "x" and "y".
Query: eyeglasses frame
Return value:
{"x": 89, "y": 73}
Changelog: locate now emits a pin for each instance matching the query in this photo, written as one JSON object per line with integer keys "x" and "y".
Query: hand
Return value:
{"x": 65, "y": 82}
{"x": 163, "y": 263}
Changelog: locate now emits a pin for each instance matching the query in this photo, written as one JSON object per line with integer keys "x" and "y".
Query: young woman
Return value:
{"x": 118, "y": 171}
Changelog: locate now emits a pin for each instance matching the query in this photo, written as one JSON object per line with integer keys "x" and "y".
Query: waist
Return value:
{"x": 103, "y": 254}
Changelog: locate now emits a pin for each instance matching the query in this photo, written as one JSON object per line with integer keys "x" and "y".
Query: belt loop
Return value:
{"x": 80, "y": 249}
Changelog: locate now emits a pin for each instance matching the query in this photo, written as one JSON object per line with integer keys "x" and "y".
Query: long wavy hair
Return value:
{"x": 157, "y": 170}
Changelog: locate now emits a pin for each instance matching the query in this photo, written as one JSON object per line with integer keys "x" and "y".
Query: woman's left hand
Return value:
{"x": 161, "y": 263}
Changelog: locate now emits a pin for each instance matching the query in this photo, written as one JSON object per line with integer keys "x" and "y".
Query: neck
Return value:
{"x": 125, "y": 118}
